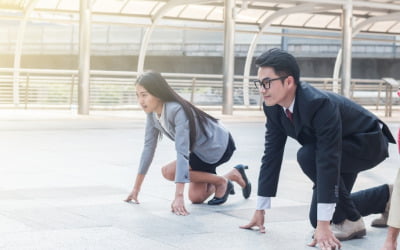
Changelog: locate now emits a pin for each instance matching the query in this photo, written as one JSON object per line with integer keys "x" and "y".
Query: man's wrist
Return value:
{"x": 323, "y": 224}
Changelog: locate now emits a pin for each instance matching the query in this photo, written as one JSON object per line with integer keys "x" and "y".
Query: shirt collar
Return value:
{"x": 161, "y": 117}
{"x": 291, "y": 107}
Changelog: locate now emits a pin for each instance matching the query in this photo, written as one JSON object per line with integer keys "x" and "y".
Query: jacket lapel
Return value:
{"x": 298, "y": 111}
{"x": 167, "y": 129}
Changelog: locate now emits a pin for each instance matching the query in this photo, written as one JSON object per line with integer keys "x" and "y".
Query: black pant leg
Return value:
{"x": 366, "y": 202}
{"x": 345, "y": 207}
{"x": 372, "y": 200}
{"x": 306, "y": 159}
{"x": 313, "y": 209}
{"x": 349, "y": 206}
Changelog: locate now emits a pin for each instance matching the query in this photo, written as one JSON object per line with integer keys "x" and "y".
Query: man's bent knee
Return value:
{"x": 306, "y": 160}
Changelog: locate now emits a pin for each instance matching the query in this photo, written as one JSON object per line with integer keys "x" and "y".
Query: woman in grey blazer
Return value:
{"x": 201, "y": 144}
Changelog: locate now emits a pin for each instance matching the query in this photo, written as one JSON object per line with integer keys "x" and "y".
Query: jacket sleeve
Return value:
{"x": 182, "y": 145}
{"x": 150, "y": 144}
{"x": 327, "y": 123}
{"x": 271, "y": 162}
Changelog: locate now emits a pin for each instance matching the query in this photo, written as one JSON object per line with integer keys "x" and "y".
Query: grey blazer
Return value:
{"x": 208, "y": 148}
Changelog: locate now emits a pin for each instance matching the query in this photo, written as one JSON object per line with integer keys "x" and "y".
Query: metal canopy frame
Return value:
{"x": 349, "y": 17}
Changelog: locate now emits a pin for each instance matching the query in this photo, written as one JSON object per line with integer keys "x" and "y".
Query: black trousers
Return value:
{"x": 349, "y": 206}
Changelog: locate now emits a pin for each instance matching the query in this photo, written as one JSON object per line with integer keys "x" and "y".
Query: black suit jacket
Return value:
{"x": 335, "y": 125}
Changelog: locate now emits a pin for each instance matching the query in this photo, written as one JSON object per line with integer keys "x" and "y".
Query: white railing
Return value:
{"x": 115, "y": 90}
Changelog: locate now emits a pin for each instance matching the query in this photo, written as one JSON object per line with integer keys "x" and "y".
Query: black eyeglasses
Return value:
{"x": 266, "y": 82}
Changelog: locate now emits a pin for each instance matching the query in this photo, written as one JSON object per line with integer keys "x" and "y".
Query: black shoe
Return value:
{"x": 232, "y": 190}
{"x": 247, "y": 188}
{"x": 223, "y": 199}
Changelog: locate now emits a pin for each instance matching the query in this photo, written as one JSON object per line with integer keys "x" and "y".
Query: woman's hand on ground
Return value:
{"x": 178, "y": 206}
{"x": 133, "y": 196}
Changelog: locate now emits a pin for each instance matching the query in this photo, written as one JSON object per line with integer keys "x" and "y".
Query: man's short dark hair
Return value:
{"x": 281, "y": 61}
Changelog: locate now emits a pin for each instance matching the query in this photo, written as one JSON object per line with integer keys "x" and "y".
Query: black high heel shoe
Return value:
{"x": 223, "y": 199}
{"x": 247, "y": 188}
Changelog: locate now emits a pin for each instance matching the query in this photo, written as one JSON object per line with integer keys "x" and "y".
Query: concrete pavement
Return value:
{"x": 63, "y": 179}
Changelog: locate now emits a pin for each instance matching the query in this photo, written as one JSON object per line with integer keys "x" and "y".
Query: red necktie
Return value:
{"x": 289, "y": 115}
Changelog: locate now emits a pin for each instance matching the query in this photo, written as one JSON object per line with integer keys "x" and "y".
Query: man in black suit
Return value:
{"x": 339, "y": 139}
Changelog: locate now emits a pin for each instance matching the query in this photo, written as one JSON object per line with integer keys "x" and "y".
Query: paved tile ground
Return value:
{"x": 63, "y": 178}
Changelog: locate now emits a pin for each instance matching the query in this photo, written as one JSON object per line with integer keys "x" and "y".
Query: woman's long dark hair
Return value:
{"x": 157, "y": 86}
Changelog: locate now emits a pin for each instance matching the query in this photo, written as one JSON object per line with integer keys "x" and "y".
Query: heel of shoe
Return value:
{"x": 361, "y": 233}
{"x": 241, "y": 166}
{"x": 357, "y": 235}
{"x": 247, "y": 189}
{"x": 223, "y": 199}
{"x": 232, "y": 191}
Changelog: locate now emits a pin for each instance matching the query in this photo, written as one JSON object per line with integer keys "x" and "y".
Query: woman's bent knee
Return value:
{"x": 196, "y": 199}
{"x": 167, "y": 173}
